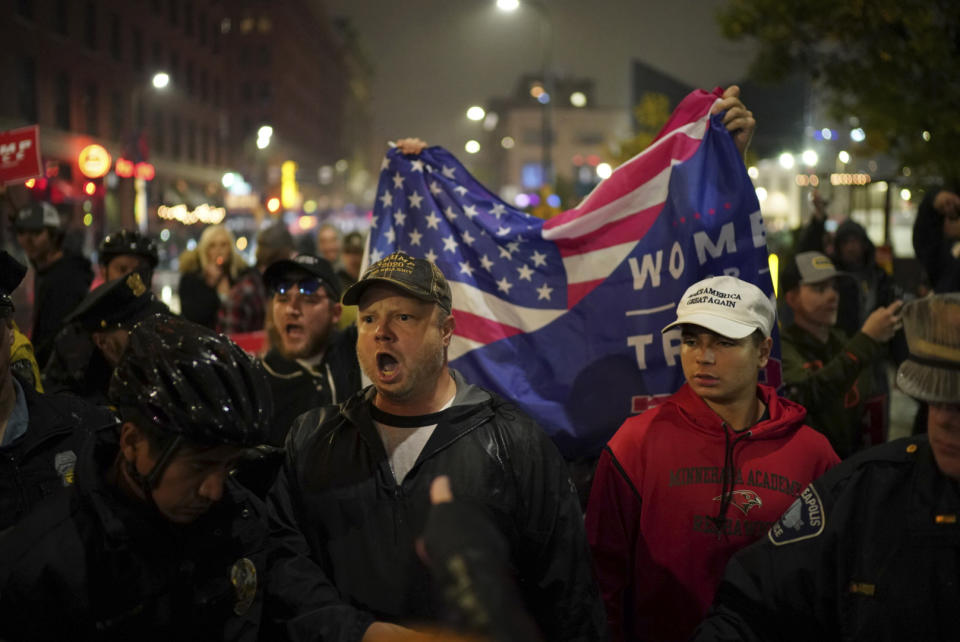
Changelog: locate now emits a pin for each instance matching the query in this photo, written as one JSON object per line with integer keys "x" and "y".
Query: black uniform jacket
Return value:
{"x": 42, "y": 460}
{"x": 91, "y": 564}
{"x": 870, "y": 551}
{"x": 296, "y": 389}
{"x": 360, "y": 526}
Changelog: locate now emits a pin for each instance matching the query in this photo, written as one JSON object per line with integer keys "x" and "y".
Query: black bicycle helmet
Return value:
{"x": 189, "y": 380}
{"x": 128, "y": 242}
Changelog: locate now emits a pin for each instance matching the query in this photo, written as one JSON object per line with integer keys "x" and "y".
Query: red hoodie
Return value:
{"x": 659, "y": 567}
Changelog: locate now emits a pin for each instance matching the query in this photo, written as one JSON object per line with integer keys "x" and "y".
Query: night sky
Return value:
{"x": 434, "y": 58}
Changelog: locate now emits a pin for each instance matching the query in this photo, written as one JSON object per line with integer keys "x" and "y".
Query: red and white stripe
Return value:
{"x": 593, "y": 238}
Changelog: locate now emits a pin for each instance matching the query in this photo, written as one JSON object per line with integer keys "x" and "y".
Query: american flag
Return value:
{"x": 563, "y": 315}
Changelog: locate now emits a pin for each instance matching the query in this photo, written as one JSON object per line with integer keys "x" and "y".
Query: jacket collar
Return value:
{"x": 46, "y": 420}
{"x": 471, "y": 406}
{"x": 783, "y": 415}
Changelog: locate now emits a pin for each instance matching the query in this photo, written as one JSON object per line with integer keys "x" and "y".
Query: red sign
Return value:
{"x": 20, "y": 154}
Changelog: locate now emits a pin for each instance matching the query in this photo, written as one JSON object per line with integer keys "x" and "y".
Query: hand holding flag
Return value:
{"x": 564, "y": 316}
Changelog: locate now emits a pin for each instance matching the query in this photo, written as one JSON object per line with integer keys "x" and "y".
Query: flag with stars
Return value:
{"x": 564, "y": 316}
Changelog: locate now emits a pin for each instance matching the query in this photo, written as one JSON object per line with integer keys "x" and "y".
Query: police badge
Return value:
{"x": 243, "y": 576}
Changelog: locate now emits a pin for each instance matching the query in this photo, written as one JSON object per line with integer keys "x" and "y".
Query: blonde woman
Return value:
{"x": 217, "y": 287}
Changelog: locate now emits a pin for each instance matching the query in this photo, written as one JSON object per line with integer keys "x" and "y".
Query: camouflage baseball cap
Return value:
{"x": 418, "y": 277}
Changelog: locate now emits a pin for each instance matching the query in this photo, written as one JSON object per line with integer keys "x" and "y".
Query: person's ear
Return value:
{"x": 790, "y": 296}
{"x": 132, "y": 441}
{"x": 99, "y": 340}
{"x": 336, "y": 310}
{"x": 766, "y": 346}
{"x": 446, "y": 330}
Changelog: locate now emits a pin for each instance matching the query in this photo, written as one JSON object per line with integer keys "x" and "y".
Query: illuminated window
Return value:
{"x": 265, "y": 25}
{"x": 246, "y": 25}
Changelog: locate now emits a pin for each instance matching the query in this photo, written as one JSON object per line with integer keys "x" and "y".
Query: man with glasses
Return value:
{"x": 313, "y": 363}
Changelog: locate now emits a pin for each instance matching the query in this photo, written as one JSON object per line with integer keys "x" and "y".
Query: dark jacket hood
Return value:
{"x": 74, "y": 264}
{"x": 851, "y": 229}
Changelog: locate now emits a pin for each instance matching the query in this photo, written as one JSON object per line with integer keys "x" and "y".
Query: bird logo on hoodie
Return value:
{"x": 743, "y": 499}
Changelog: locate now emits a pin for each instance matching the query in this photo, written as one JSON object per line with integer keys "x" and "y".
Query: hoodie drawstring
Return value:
{"x": 728, "y": 479}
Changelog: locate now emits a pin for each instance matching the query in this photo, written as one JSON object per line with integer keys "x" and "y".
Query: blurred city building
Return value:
{"x": 799, "y": 147}
{"x": 201, "y": 109}
{"x": 583, "y": 139}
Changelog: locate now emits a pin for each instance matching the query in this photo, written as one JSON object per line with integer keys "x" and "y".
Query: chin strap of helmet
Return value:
{"x": 149, "y": 481}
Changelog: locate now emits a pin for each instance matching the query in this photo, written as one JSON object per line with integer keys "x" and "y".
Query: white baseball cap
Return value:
{"x": 727, "y": 306}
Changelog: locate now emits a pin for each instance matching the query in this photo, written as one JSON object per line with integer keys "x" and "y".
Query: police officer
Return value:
{"x": 126, "y": 251}
{"x": 871, "y": 550}
{"x": 156, "y": 540}
{"x": 78, "y": 364}
{"x": 40, "y": 434}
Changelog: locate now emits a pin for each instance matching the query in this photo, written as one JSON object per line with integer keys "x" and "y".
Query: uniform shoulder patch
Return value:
{"x": 805, "y": 519}
{"x": 64, "y": 463}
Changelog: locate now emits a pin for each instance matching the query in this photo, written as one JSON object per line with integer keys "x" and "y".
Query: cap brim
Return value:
{"x": 836, "y": 274}
{"x": 277, "y": 269}
{"x": 722, "y": 326}
{"x": 928, "y": 383}
{"x": 355, "y": 292}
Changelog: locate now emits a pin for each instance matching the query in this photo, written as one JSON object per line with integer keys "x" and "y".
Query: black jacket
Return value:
{"x": 42, "y": 460}
{"x": 297, "y": 389}
{"x": 91, "y": 564}
{"x": 932, "y": 249}
{"x": 360, "y": 526}
{"x": 198, "y": 301}
{"x": 58, "y": 290}
{"x": 78, "y": 367}
{"x": 870, "y": 551}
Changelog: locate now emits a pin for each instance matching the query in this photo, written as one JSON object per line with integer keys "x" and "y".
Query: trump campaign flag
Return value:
{"x": 564, "y": 316}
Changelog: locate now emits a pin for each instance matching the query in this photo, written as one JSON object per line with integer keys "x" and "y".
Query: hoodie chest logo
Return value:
{"x": 745, "y": 500}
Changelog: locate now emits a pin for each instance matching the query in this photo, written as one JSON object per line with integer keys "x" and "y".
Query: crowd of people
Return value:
{"x": 159, "y": 482}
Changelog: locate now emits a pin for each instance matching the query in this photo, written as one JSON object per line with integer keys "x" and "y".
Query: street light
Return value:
{"x": 161, "y": 79}
{"x": 544, "y": 96}
{"x": 476, "y": 113}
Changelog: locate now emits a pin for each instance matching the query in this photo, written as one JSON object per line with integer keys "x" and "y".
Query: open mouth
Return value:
{"x": 293, "y": 330}
{"x": 387, "y": 363}
{"x": 705, "y": 379}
